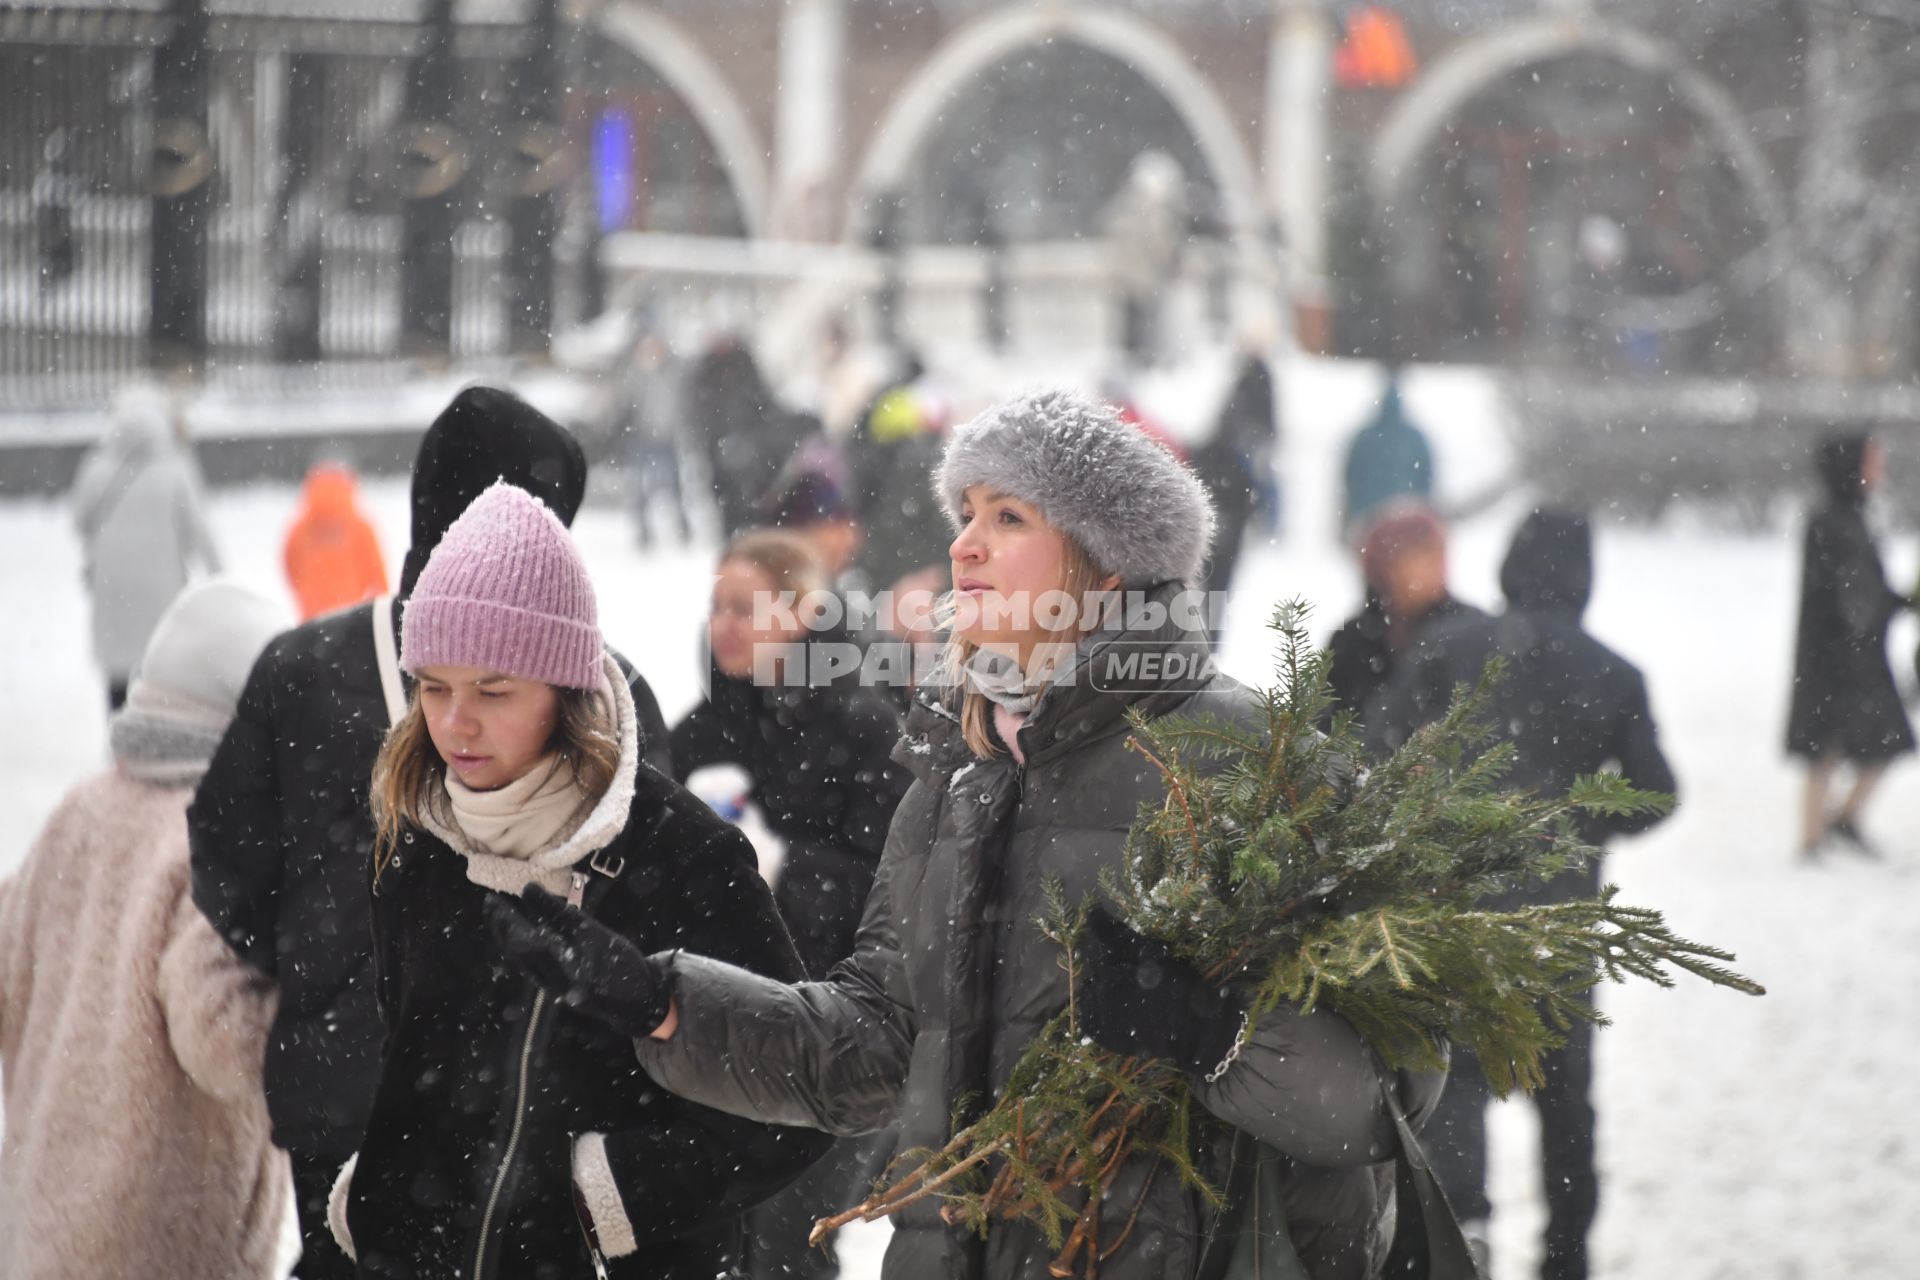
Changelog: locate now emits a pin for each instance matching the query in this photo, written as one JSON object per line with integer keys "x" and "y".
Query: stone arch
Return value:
{"x": 977, "y": 47}
{"x": 1469, "y": 68}
{"x": 680, "y": 61}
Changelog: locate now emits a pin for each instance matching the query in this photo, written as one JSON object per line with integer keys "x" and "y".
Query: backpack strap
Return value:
{"x": 383, "y": 648}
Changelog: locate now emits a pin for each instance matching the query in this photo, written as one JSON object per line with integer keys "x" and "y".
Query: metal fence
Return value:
{"x": 76, "y": 226}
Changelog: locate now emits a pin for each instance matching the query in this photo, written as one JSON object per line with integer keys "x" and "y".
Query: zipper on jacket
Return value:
{"x": 582, "y": 1218}
{"x": 513, "y": 1137}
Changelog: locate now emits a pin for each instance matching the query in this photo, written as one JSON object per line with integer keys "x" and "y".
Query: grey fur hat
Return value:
{"x": 1132, "y": 506}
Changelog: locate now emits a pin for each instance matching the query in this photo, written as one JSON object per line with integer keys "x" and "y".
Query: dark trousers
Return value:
{"x": 1456, "y": 1143}
{"x": 320, "y": 1257}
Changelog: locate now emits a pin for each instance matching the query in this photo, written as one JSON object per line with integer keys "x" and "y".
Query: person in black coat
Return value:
{"x": 818, "y": 755}
{"x": 745, "y": 433}
{"x": 280, "y": 829}
{"x": 1846, "y": 709}
{"x": 1403, "y": 562}
{"x": 1236, "y": 465}
{"x": 1570, "y": 706}
{"x": 513, "y": 1135}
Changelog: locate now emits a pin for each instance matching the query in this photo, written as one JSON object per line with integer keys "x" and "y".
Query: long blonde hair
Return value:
{"x": 1081, "y": 581}
{"x": 409, "y": 773}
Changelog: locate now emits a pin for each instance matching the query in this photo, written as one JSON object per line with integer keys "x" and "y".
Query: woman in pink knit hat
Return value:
{"x": 512, "y": 1134}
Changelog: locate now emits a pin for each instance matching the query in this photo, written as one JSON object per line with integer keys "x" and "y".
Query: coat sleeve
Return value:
{"x": 1306, "y": 1084}
{"x": 724, "y": 1163}
{"x": 1642, "y": 763}
{"x": 218, "y": 1009}
{"x": 233, "y": 827}
{"x": 1844, "y": 555}
{"x": 832, "y": 1055}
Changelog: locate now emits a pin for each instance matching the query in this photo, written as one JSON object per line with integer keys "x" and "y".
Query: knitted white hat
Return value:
{"x": 190, "y": 679}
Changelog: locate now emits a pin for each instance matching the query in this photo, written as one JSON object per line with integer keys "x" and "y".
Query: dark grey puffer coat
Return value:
{"x": 950, "y": 980}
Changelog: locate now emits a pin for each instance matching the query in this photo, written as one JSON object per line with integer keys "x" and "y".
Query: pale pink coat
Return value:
{"x": 136, "y": 1136}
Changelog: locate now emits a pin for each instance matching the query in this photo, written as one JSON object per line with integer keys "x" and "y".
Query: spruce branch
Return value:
{"x": 1399, "y": 896}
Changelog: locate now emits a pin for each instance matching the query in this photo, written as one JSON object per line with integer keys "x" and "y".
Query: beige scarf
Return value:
{"x": 528, "y": 816}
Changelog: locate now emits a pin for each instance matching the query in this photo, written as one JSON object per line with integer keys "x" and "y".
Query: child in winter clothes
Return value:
{"x": 512, "y": 1135}
{"x": 136, "y": 1133}
{"x": 1023, "y": 779}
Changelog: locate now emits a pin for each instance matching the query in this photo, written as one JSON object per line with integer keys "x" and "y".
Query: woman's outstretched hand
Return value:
{"x": 1136, "y": 997}
{"x": 581, "y": 962}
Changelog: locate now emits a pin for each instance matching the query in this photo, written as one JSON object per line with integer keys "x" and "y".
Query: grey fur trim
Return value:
{"x": 160, "y": 748}
{"x": 1128, "y": 502}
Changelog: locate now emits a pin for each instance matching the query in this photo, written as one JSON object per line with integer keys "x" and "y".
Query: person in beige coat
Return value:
{"x": 136, "y": 1138}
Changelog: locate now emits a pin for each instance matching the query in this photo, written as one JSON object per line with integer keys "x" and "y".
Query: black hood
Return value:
{"x": 1550, "y": 565}
{"x": 485, "y": 435}
{"x": 1840, "y": 462}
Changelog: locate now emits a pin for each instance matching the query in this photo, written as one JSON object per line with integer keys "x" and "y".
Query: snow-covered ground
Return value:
{"x": 1740, "y": 1138}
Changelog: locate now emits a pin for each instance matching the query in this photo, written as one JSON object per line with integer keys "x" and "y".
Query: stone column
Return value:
{"x": 807, "y": 145}
{"x": 1299, "y": 64}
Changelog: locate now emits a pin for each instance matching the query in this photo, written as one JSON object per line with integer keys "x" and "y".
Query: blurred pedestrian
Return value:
{"x": 812, "y": 506}
{"x": 651, "y": 419}
{"x": 1571, "y": 707}
{"x": 281, "y": 826}
{"x": 137, "y": 1137}
{"x": 1146, "y": 225}
{"x": 892, "y": 453}
{"x": 509, "y": 1133}
{"x": 1236, "y": 464}
{"x": 1846, "y": 711}
{"x": 143, "y": 528}
{"x": 734, "y": 413}
{"x": 332, "y": 554}
{"x": 1403, "y": 565}
{"x": 817, "y": 753}
{"x": 1388, "y": 458}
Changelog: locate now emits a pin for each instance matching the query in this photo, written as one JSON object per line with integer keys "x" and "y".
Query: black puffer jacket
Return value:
{"x": 950, "y": 981}
{"x": 282, "y": 835}
{"x": 503, "y": 1123}
{"x": 819, "y": 757}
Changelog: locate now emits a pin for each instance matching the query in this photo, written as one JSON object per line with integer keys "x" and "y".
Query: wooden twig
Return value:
{"x": 875, "y": 1208}
{"x": 1062, "y": 1265}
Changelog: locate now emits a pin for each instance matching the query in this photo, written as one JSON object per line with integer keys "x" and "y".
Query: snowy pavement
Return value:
{"x": 1743, "y": 1138}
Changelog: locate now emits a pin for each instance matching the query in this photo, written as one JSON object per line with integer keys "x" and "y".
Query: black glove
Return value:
{"x": 580, "y": 961}
{"x": 1136, "y": 997}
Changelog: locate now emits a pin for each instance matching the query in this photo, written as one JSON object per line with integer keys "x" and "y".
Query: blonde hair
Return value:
{"x": 1081, "y": 580}
{"x": 409, "y": 774}
{"x": 787, "y": 559}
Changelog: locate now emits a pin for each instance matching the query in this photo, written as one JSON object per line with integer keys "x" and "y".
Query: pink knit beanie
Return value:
{"x": 505, "y": 590}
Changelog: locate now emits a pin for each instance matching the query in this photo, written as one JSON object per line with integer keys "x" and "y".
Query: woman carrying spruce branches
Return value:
{"x": 1024, "y": 782}
{"x": 510, "y": 1135}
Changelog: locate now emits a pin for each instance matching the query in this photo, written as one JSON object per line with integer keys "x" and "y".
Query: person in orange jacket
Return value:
{"x": 333, "y": 558}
